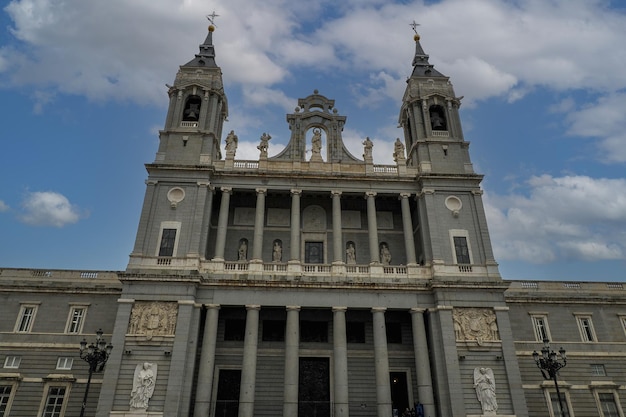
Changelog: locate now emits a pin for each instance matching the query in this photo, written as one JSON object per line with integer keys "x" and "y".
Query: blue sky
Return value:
{"x": 82, "y": 92}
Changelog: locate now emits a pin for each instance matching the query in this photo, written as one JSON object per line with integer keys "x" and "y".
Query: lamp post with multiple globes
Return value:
{"x": 550, "y": 363}
{"x": 96, "y": 355}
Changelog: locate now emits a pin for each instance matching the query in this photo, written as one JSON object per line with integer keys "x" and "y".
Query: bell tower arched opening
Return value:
{"x": 437, "y": 117}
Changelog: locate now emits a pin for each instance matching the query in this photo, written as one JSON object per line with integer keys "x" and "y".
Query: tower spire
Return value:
{"x": 421, "y": 66}
{"x": 206, "y": 57}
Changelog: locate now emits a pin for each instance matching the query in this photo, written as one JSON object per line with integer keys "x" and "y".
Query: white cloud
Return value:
{"x": 48, "y": 208}
{"x": 3, "y": 206}
{"x": 493, "y": 47}
{"x": 560, "y": 218}
{"x": 605, "y": 121}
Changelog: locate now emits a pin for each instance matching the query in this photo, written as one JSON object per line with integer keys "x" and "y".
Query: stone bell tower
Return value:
{"x": 189, "y": 146}
{"x": 453, "y": 227}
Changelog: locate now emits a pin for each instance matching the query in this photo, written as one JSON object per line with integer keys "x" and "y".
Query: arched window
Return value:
{"x": 191, "y": 113}
{"x": 437, "y": 118}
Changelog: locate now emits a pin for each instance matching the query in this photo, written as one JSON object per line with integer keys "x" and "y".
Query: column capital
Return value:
{"x": 379, "y": 309}
{"x": 261, "y": 190}
{"x": 425, "y": 191}
{"x": 203, "y": 183}
{"x": 416, "y": 310}
{"x": 477, "y": 192}
{"x": 335, "y": 193}
{"x": 369, "y": 194}
{"x": 292, "y": 308}
{"x": 227, "y": 190}
{"x": 295, "y": 191}
{"x": 212, "y": 306}
{"x": 340, "y": 309}
{"x": 151, "y": 182}
{"x": 404, "y": 196}
{"x": 253, "y": 307}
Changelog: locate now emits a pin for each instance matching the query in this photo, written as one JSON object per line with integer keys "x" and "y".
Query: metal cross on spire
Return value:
{"x": 414, "y": 25}
{"x": 212, "y": 17}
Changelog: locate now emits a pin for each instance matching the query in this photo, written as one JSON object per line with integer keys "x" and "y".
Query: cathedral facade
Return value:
{"x": 312, "y": 283}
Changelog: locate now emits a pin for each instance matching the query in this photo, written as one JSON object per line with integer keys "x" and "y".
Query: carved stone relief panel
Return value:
{"x": 314, "y": 218}
{"x": 351, "y": 219}
{"x": 475, "y": 324}
{"x": 153, "y": 318}
{"x": 244, "y": 216}
{"x": 278, "y": 217}
{"x": 384, "y": 219}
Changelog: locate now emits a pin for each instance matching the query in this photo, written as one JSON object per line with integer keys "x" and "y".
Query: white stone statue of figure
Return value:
{"x": 243, "y": 251}
{"x": 367, "y": 148}
{"x": 316, "y": 143}
{"x": 231, "y": 143}
{"x": 143, "y": 386}
{"x": 277, "y": 252}
{"x": 485, "y": 386}
{"x": 265, "y": 138}
{"x": 350, "y": 254}
{"x": 385, "y": 254}
{"x": 398, "y": 150}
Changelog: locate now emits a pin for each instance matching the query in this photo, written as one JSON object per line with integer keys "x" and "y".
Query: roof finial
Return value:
{"x": 211, "y": 18}
{"x": 414, "y": 25}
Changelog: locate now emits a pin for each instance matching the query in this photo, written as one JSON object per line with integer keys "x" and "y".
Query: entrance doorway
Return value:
{"x": 399, "y": 391}
{"x": 227, "y": 401}
{"x": 314, "y": 388}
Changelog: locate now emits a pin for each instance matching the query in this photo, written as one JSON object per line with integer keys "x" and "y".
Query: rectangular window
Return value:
{"x": 273, "y": 331}
{"x": 462, "y": 250}
{"x": 314, "y": 252}
{"x": 168, "y": 238}
{"x": 234, "y": 329}
{"x": 54, "y": 402}
{"x": 65, "y": 363}
{"x": 394, "y": 332}
{"x": 25, "y": 319}
{"x": 75, "y": 320}
{"x": 556, "y": 405}
{"x": 586, "y": 328}
{"x": 313, "y": 331}
{"x": 12, "y": 362}
{"x": 598, "y": 370}
{"x": 5, "y": 399}
{"x": 540, "y": 327}
{"x": 608, "y": 405}
{"x": 355, "y": 332}
{"x": 623, "y": 321}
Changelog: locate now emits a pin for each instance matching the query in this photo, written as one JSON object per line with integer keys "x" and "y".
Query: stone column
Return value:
{"x": 207, "y": 362}
{"x": 206, "y": 221}
{"x": 340, "y": 369}
{"x": 422, "y": 362}
{"x": 257, "y": 244}
{"x": 295, "y": 225}
{"x": 381, "y": 361}
{"x": 248, "y": 368}
{"x": 372, "y": 227}
{"x": 337, "y": 239}
{"x": 222, "y": 224}
{"x": 292, "y": 365}
{"x": 407, "y": 225}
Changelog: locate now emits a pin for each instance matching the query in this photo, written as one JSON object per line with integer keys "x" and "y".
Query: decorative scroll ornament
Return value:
{"x": 153, "y": 319}
{"x": 475, "y": 324}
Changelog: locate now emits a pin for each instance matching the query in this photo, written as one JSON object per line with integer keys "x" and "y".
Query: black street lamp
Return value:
{"x": 550, "y": 364}
{"x": 96, "y": 355}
